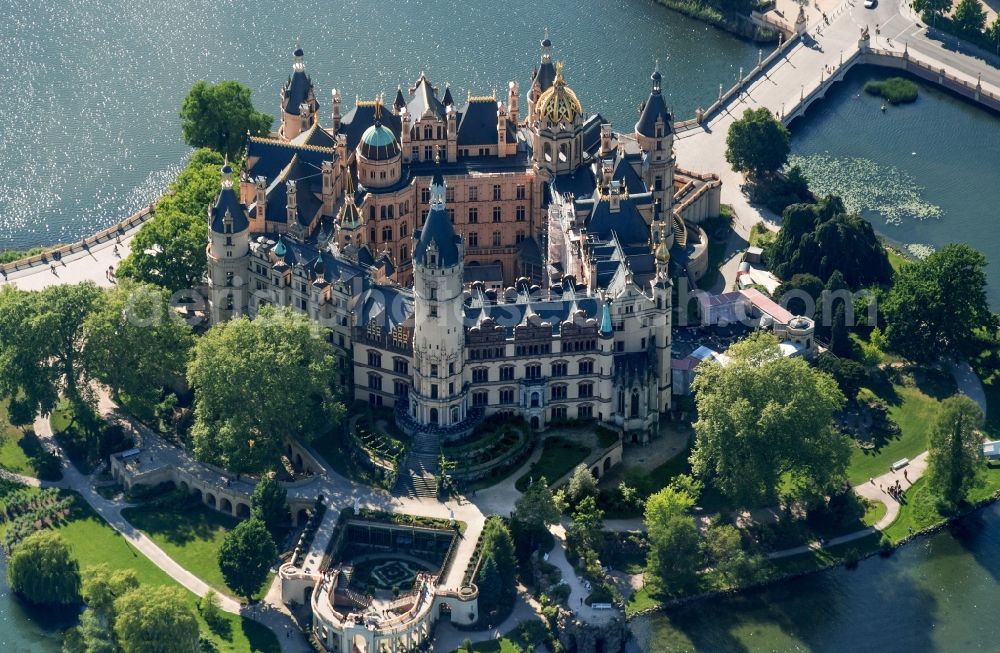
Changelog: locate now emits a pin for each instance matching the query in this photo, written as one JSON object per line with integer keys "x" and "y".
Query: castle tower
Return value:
{"x": 557, "y": 130}
{"x": 297, "y": 91}
{"x": 335, "y": 100}
{"x": 541, "y": 77}
{"x": 662, "y": 340}
{"x": 379, "y": 154}
{"x": 438, "y": 396}
{"x": 228, "y": 252}
{"x": 655, "y": 134}
{"x": 513, "y": 101}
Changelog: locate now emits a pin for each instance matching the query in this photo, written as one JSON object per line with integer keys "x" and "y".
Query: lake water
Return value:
{"x": 23, "y": 630}
{"x": 925, "y": 173}
{"x": 938, "y": 594}
{"x": 89, "y": 122}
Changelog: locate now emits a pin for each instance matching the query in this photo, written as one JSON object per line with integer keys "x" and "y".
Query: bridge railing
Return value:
{"x": 942, "y": 74}
{"x": 57, "y": 253}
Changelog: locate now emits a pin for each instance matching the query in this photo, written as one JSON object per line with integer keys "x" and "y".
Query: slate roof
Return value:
{"x": 477, "y": 122}
{"x": 438, "y": 230}
{"x": 553, "y": 310}
{"x": 424, "y": 99}
{"x": 228, "y": 201}
{"x": 360, "y": 118}
{"x": 296, "y": 91}
{"x": 545, "y": 75}
{"x": 270, "y": 156}
{"x": 654, "y": 108}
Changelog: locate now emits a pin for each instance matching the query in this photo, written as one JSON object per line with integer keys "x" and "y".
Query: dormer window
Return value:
{"x": 432, "y": 257}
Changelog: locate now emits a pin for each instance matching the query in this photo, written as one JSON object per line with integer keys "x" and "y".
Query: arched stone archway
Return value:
{"x": 607, "y": 463}
{"x": 596, "y": 471}
{"x": 185, "y": 488}
{"x": 302, "y": 516}
{"x": 225, "y": 505}
{"x": 534, "y": 422}
{"x": 242, "y": 510}
{"x": 210, "y": 500}
{"x": 198, "y": 495}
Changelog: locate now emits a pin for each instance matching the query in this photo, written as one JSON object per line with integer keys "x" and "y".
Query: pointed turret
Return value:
{"x": 654, "y": 110}
{"x": 437, "y": 243}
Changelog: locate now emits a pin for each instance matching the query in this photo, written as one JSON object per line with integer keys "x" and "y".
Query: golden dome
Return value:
{"x": 559, "y": 103}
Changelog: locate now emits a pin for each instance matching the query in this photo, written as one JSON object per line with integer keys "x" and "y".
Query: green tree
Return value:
{"x": 840, "y": 338}
{"x": 136, "y": 344}
{"x": 763, "y": 417}
{"x": 723, "y": 548}
{"x": 156, "y": 618}
{"x": 955, "y": 457}
{"x": 490, "y": 585}
{"x": 799, "y": 292}
{"x": 246, "y": 556}
{"x": 936, "y": 305}
{"x": 674, "y": 556}
{"x": 970, "y": 17}
{"x": 537, "y": 508}
{"x": 268, "y": 502}
{"x": 169, "y": 249}
{"x": 583, "y": 535}
{"x": 91, "y": 636}
{"x": 42, "y": 346}
{"x": 993, "y": 33}
{"x": 757, "y": 143}
{"x": 581, "y": 484}
{"x": 498, "y": 547}
{"x": 850, "y": 375}
{"x": 42, "y": 570}
{"x": 822, "y": 238}
{"x": 932, "y": 8}
{"x": 219, "y": 116}
{"x": 102, "y": 586}
{"x": 243, "y": 373}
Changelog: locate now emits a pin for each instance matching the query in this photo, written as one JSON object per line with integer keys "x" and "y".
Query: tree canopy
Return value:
{"x": 42, "y": 346}
{"x": 42, "y": 570}
{"x": 820, "y": 239}
{"x": 757, "y": 143}
{"x": 537, "y": 507}
{"x": 762, "y": 417}
{"x": 936, "y": 305}
{"x": 498, "y": 552}
{"x": 257, "y": 383}
{"x": 932, "y": 7}
{"x": 268, "y": 502}
{"x": 245, "y": 556}
{"x": 219, "y": 116}
{"x": 156, "y": 618}
{"x": 970, "y": 17}
{"x": 955, "y": 457}
{"x": 674, "y": 544}
{"x": 169, "y": 249}
{"x": 136, "y": 344}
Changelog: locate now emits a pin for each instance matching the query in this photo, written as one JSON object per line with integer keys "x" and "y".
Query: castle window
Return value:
{"x": 480, "y": 398}
{"x": 386, "y": 234}
{"x": 533, "y": 372}
{"x": 519, "y": 214}
{"x": 434, "y": 370}
{"x": 414, "y": 152}
{"x": 371, "y": 212}
{"x": 473, "y": 193}
{"x": 404, "y": 251}
{"x": 434, "y": 292}
{"x": 586, "y": 367}
{"x": 558, "y": 392}
{"x": 473, "y": 239}
{"x": 434, "y": 391}
{"x": 400, "y": 366}
{"x": 374, "y": 359}
{"x": 518, "y": 237}
{"x": 403, "y": 230}
{"x": 558, "y": 369}
{"x": 507, "y": 396}
{"x": 481, "y": 375}
{"x": 451, "y": 215}
{"x": 449, "y": 194}
{"x": 496, "y": 239}
{"x": 423, "y": 217}
{"x": 507, "y": 373}
{"x": 400, "y": 389}
{"x": 374, "y": 382}
{"x": 229, "y": 241}
{"x": 473, "y": 215}
{"x": 451, "y": 368}
{"x": 519, "y": 192}
{"x": 432, "y": 311}
{"x": 428, "y": 153}
{"x": 425, "y": 195}
{"x": 496, "y": 192}
{"x": 428, "y": 132}
{"x": 496, "y": 214}
{"x": 558, "y": 412}
{"x": 371, "y": 233}
{"x": 585, "y": 412}
{"x": 658, "y": 183}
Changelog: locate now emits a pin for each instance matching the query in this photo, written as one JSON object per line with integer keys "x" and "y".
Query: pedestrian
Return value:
{"x": 880, "y": 488}
{"x": 906, "y": 475}
{"x": 581, "y": 600}
{"x": 871, "y": 479}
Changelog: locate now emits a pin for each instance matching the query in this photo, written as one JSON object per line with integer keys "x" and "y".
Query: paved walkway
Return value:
{"x": 577, "y": 592}
{"x": 88, "y": 265}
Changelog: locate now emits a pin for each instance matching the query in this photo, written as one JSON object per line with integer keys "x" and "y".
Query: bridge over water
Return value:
{"x": 802, "y": 69}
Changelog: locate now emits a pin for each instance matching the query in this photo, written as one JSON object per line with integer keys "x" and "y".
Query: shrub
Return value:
{"x": 895, "y": 90}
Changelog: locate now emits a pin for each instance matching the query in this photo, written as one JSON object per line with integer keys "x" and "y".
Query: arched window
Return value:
{"x": 634, "y": 412}
{"x": 434, "y": 415}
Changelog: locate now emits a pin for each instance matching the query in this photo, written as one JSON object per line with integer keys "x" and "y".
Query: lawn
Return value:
{"x": 22, "y": 453}
{"x": 559, "y": 457}
{"x": 191, "y": 536}
{"x": 94, "y": 542}
{"x": 913, "y": 408}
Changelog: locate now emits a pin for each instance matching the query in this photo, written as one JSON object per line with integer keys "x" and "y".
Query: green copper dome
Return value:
{"x": 279, "y": 249}
{"x": 378, "y": 143}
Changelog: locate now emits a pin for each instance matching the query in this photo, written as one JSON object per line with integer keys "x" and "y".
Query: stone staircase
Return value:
{"x": 418, "y": 476}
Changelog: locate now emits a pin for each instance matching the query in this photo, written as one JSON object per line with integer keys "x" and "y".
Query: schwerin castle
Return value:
{"x": 471, "y": 258}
